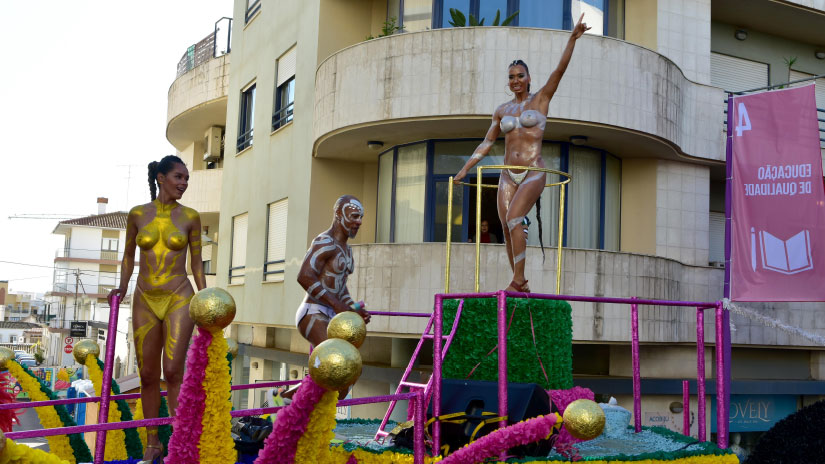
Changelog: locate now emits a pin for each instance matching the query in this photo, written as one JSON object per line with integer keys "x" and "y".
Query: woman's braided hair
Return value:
{"x": 163, "y": 167}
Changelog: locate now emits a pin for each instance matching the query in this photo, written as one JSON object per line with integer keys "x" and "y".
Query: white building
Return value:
{"x": 85, "y": 270}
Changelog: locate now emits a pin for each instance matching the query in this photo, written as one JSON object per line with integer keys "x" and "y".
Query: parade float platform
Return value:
{"x": 652, "y": 445}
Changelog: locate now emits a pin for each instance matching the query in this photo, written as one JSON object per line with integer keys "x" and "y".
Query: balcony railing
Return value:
{"x": 216, "y": 44}
{"x": 87, "y": 282}
{"x": 81, "y": 253}
{"x": 27, "y": 347}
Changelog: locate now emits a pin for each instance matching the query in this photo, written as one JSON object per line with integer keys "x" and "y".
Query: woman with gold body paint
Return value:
{"x": 163, "y": 230}
{"x": 522, "y": 122}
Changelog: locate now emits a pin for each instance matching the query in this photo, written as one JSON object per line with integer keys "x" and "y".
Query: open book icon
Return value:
{"x": 788, "y": 257}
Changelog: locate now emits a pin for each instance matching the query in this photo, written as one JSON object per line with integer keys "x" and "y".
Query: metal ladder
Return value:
{"x": 380, "y": 434}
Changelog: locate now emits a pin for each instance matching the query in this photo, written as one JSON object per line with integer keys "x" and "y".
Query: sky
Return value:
{"x": 83, "y": 88}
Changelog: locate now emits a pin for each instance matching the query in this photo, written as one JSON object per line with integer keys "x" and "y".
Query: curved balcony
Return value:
{"x": 204, "y": 191}
{"x": 197, "y": 101}
{"x": 447, "y": 82}
{"x": 406, "y": 277}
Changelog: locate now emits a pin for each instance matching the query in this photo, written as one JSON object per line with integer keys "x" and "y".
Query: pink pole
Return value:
{"x": 685, "y": 408}
{"x": 722, "y": 405}
{"x": 418, "y": 446}
{"x": 637, "y": 376}
{"x": 502, "y": 360}
{"x": 502, "y": 357}
{"x": 105, "y": 389}
{"x": 436, "y": 384}
{"x": 700, "y": 371}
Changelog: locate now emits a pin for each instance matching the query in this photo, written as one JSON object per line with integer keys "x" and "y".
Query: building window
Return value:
{"x": 284, "y": 89}
{"x": 247, "y": 118}
{"x": 547, "y": 14}
{"x": 284, "y": 103}
{"x": 252, "y": 8}
{"x": 737, "y": 74}
{"x": 413, "y": 183}
{"x": 108, "y": 248}
{"x": 237, "y": 267}
{"x": 276, "y": 241}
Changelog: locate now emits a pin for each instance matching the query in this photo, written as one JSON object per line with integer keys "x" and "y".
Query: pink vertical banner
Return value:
{"x": 778, "y": 203}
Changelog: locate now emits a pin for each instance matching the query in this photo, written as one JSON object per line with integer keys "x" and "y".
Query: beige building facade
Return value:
{"x": 314, "y": 111}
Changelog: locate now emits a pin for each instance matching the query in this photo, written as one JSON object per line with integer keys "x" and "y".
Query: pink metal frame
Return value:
{"x": 420, "y": 398}
{"x": 427, "y": 388}
{"x": 502, "y": 295}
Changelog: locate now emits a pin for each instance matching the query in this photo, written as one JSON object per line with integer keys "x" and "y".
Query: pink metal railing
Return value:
{"x": 722, "y": 398}
{"x": 420, "y": 399}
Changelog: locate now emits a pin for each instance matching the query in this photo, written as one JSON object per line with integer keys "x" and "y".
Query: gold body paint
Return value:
{"x": 160, "y": 237}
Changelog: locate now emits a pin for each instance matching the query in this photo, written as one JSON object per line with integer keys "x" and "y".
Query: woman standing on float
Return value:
{"x": 163, "y": 229}
{"x": 522, "y": 121}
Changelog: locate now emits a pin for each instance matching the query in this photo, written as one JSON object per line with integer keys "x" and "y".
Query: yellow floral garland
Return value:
{"x": 115, "y": 439}
{"x": 340, "y": 456}
{"x": 21, "y": 454}
{"x": 58, "y": 444}
{"x": 313, "y": 446}
{"x": 138, "y": 415}
{"x": 216, "y": 445}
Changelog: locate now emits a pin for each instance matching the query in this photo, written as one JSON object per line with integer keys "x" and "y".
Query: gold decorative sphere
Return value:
{"x": 233, "y": 347}
{"x": 348, "y": 326}
{"x": 2, "y": 442}
{"x": 584, "y": 419}
{"x": 84, "y": 348}
{"x": 6, "y": 355}
{"x": 212, "y": 309}
{"x": 335, "y": 364}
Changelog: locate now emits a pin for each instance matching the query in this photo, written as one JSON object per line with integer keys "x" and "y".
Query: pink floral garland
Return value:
{"x": 290, "y": 424}
{"x": 183, "y": 445}
{"x": 501, "y": 440}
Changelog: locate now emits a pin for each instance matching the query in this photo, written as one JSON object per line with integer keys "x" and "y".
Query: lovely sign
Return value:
{"x": 777, "y": 198}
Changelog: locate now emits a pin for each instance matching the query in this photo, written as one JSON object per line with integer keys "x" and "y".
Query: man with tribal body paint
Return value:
{"x": 324, "y": 272}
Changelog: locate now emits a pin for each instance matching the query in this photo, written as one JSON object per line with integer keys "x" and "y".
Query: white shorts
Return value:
{"x": 307, "y": 309}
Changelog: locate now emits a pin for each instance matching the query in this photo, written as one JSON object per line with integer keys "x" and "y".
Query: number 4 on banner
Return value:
{"x": 744, "y": 123}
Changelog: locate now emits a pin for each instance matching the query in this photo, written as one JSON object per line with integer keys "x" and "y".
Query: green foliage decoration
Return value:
{"x": 164, "y": 431}
{"x": 477, "y": 335}
{"x": 458, "y": 19}
{"x": 390, "y": 27}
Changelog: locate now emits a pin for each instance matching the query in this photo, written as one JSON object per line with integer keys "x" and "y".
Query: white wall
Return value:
{"x": 85, "y": 242}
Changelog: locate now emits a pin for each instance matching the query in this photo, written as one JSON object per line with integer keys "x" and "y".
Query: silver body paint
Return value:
{"x": 334, "y": 277}
{"x": 351, "y": 204}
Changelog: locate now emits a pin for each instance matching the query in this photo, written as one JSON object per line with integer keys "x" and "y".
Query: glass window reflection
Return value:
{"x": 541, "y": 13}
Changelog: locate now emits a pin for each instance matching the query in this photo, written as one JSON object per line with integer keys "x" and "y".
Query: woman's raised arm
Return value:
{"x": 546, "y": 93}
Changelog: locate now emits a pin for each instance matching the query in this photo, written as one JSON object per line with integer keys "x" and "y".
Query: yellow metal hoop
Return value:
{"x": 478, "y": 185}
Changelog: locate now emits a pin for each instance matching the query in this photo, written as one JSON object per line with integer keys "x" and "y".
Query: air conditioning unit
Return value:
{"x": 212, "y": 144}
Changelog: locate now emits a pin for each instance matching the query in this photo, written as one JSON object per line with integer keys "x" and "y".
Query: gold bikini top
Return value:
{"x": 161, "y": 227}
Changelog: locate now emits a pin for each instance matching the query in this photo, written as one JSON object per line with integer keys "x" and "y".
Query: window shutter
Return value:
{"x": 736, "y": 74}
{"x": 286, "y": 66}
{"x": 716, "y": 253}
{"x": 276, "y": 240}
{"x": 240, "y": 225}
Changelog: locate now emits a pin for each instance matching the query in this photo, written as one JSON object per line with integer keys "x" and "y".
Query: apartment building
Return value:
{"x": 18, "y": 306}
{"x": 86, "y": 268}
{"x": 315, "y": 109}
